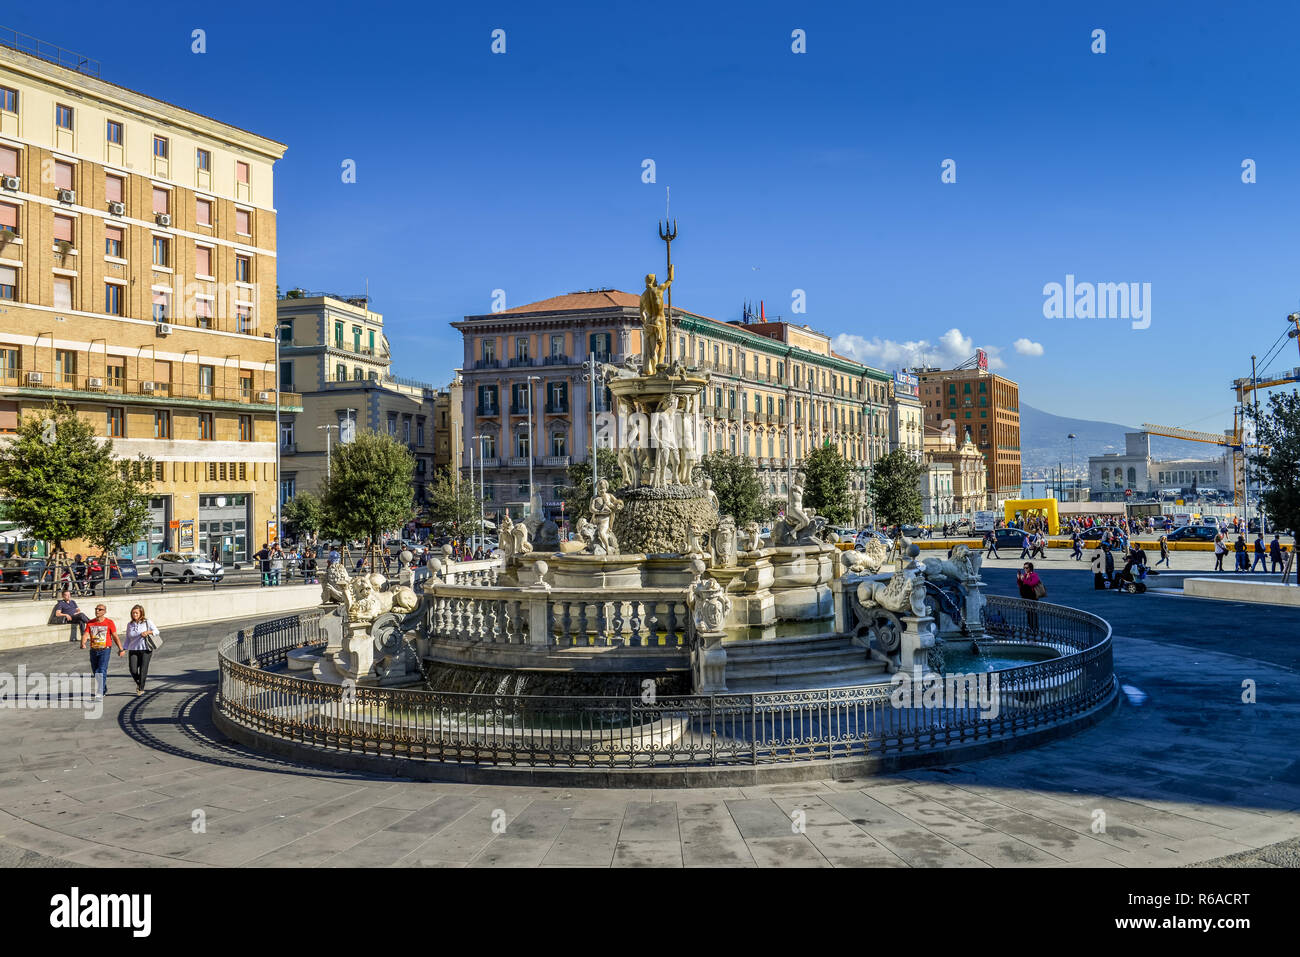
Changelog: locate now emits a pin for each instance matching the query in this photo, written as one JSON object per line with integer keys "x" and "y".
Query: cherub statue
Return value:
{"x": 604, "y": 505}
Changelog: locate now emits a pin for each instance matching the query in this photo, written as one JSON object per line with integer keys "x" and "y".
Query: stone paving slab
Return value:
{"x": 1191, "y": 775}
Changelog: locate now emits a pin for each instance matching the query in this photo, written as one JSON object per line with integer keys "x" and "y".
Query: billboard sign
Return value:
{"x": 907, "y": 384}
{"x": 982, "y": 360}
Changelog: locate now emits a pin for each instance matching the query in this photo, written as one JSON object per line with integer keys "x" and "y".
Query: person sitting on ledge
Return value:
{"x": 66, "y": 610}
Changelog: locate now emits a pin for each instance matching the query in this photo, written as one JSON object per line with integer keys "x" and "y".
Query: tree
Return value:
{"x": 303, "y": 514}
{"x": 896, "y": 489}
{"x": 58, "y": 478}
{"x": 576, "y": 492}
{"x": 735, "y": 482}
{"x": 370, "y": 487}
{"x": 826, "y": 485}
{"x": 454, "y": 507}
{"x": 125, "y": 513}
{"x": 1275, "y": 467}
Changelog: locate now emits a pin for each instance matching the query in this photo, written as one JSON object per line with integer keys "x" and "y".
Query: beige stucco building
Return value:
{"x": 333, "y": 352}
{"x": 137, "y": 283}
{"x": 969, "y": 492}
{"x": 776, "y": 390}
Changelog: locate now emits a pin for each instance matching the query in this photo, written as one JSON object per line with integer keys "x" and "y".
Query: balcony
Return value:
{"x": 557, "y": 408}
{"x": 520, "y": 361}
{"x": 488, "y": 411}
{"x": 134, "y": 391}
{"x": 518, "y": 409}
{"x": 555, "y": 361}
{"x": 490, "y": 463}
{"x": 288, "y": 448}
{"x": 556, "y": 461}
{"x": 518, "y": 462}
{"x": 487, "y": 364}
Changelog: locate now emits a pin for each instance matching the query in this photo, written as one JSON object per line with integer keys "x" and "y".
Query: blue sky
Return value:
{"x": 817, "y": 171}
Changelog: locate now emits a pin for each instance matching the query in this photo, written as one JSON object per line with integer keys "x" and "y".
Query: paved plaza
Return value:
{"x": 1182, "y": 773}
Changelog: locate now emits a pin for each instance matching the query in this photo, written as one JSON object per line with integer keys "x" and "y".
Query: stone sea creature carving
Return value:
{"x": 903, "y": 593}
{"x": 868, "y": 561}
{"x": 964, "y": 565}
{"x": 751, "y": 539}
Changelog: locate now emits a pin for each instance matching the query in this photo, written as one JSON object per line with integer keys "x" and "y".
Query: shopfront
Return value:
{"x": 157, "y": 537}
{"x": 223, "y": 525}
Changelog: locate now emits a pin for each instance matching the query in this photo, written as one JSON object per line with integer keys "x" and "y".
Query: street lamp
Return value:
{"x": 532, "y": 449}
{"x": 1073, "y": 478}
{"x": 594, "y": 376}
{"x": 482, "y": 483}
{"x": 328, "y": 447}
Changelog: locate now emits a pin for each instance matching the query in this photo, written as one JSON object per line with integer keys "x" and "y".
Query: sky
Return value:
{"x": 819, "y": 171}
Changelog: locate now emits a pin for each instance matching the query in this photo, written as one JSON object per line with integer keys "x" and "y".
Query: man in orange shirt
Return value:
{"x": 101, "y": 633}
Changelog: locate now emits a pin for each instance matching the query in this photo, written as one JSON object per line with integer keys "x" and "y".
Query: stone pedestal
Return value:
{"x": 749, "y": 585}
{"x": 595, "y": 571}
{"x": 919, "y": 636}
{"x": 654, "y": 521}
{"x": 802, "y": 576}
{"x": 709, "y": 665}
{"x": 357, "y": 655}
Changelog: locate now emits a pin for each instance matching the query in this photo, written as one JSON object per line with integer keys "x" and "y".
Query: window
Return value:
{"x": 406, "y": 429}
{"x": 246, "y": 386}
{"x": 521, "y": 348}
{"x": 203, "y": 260}
{"x": 203, "y": 212}
{"x": 207, "y": 376}
{"x": 557, "y": 346}
{"x": 160, "y": 146}
{"x": 8, "y": 99}
{"x": 286, "y": 433}
{"x": 559, "y": 443}
{"x": 489, "y": 349}
{"x": 8, "y": 161}
{"x": 9, "y": 217}
{"x": 521, "y": 445}
{"x": 340, "y": 372}
{"x": 205, "y": 426}
{"x": 245, "y": 428}
{"x": 358, "y": 374}
{"x": 162, "y": 251}
{"x": 419, "y": 432}
{"x": 243, "y": 222}
{"x": 162, "y": 305}
{"x": 203, "y": 160}
{"x": 62, "y": 292}
{"x": 11, "y": 362}
{"x": 338, "y": 335}
{"x": 63, "y": 116}
{"x": 372, "y": 342}
{"x": 62, "y": 175}
{"x": 244, "y": 319}
{"x": 113, "y": 132}
{"x": 62, "y": 229}
{"x": 203, "y": 313}
{"x": 241, "y": 172}
{"x": 114, "y": 188}
{"x": 116, "y": 424}
{"x": 162, "y": 424}
{"x": 392, "y": 424}
{"x": 285, "y": 327}
{"x": 162, "y": 200}
{"x": 115, "y": 376}
{"x": 112, "y": 299}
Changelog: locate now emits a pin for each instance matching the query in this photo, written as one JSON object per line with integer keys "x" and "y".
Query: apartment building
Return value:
{"x": 137, "y": 284}
{"x": 969, "y": 492}
{"x": 776, "y": 391}
{"x": 334, "y": 353}
{"x": 988, "y": 406}
{"x": 907, "y": 416}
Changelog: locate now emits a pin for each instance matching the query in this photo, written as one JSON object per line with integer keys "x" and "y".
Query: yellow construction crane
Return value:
{"x": 1227, "y": 440}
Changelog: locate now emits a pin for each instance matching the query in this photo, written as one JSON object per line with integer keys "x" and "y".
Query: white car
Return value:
{"x": 184, "y": 567}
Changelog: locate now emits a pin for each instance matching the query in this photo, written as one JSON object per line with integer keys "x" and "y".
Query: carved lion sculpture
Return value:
{"x": 963, "y": 566}
{"x": 903, "y": 592}
{"x": 867, "y": 561}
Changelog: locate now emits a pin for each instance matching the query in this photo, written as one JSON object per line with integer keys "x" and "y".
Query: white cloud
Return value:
{"x": 1027, "y": 347}
{"x": 952, "y": 348}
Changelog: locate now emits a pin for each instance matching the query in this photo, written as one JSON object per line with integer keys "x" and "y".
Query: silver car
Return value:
{"x": 184, "y": 567}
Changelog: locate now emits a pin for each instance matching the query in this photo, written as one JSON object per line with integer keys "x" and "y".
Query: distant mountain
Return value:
{"x": 1044, "y": 442}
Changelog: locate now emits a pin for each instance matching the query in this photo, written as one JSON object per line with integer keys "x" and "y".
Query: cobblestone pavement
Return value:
{"x": 1184, "y": 772}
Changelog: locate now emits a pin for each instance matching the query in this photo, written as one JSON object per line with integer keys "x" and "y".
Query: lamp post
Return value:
{"x": 592, "y": 375}
{"x": 482, "y": 486}
{"x": 328, "y": 448}
{"x": 1074, "y": 479}
{"x": 532, "y": 449}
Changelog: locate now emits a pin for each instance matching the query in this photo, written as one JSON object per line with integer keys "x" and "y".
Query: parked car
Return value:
{"x": 1194, "y": 533}
{"x": 184, "y": 567}
{"x": 1009, "y": 538}
{"x": 22, "y": 572}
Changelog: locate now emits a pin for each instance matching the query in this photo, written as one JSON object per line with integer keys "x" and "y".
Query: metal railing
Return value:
{"x": 130, "y": 389}
{"x": 606, "y": 732}
{"x": 34, "y": 46}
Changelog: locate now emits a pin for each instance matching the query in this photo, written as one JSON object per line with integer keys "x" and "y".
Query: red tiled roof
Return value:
{"x": 605, "y": 299}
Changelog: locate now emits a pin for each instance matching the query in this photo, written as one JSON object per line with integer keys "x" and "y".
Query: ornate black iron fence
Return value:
{"x": 912, "y": 713}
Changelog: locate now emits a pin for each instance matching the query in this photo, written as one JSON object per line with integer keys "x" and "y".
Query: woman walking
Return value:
{"x": 1164, "y": 553}
{"x": 139, "y": 630}
{"x": 1031, "y": 589}
{"x": 101, "y": 633}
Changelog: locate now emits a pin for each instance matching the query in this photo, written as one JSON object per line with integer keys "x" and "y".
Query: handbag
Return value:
{"x": 153, "y": 641}
{"x": 1040, "y": 590}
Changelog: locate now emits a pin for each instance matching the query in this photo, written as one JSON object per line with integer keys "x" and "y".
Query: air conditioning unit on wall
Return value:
{"x": 67, "y": 196}
{"x": 117, "y": 209}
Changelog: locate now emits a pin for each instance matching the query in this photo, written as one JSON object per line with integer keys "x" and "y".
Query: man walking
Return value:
{"x": 1261, "y": 555}
{"x": 102, "y": 635}
{"x": 991, "y": 545}
{"x": 1076, "y": 540}
{"x": 1275, "y": 552}
{"x": 263, "y": 557}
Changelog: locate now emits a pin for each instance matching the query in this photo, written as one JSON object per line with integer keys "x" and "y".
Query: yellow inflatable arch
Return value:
{"x": 1022, "y": 508}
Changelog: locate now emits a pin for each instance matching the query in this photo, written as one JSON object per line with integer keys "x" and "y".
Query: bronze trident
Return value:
{"x": 668, "y": 234}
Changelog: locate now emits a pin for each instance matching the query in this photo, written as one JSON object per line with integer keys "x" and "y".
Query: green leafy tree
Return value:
{"x": 896, "y": 489}
{"x": 1275, "y": 467}
{"x": 304, "y": 514}
{"x": 454, "y": 507}
{"x": 735, "y": 482}
{"x": 370, "y": 487}
{"x": 576, "y": 492}
{"x": 826, "y": 485}
{"x": 125, "y": 514}
{"x": 58, "y": 479}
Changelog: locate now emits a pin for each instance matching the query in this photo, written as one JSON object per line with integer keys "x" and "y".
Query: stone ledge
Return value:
{"x": 1242, "y": 589}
